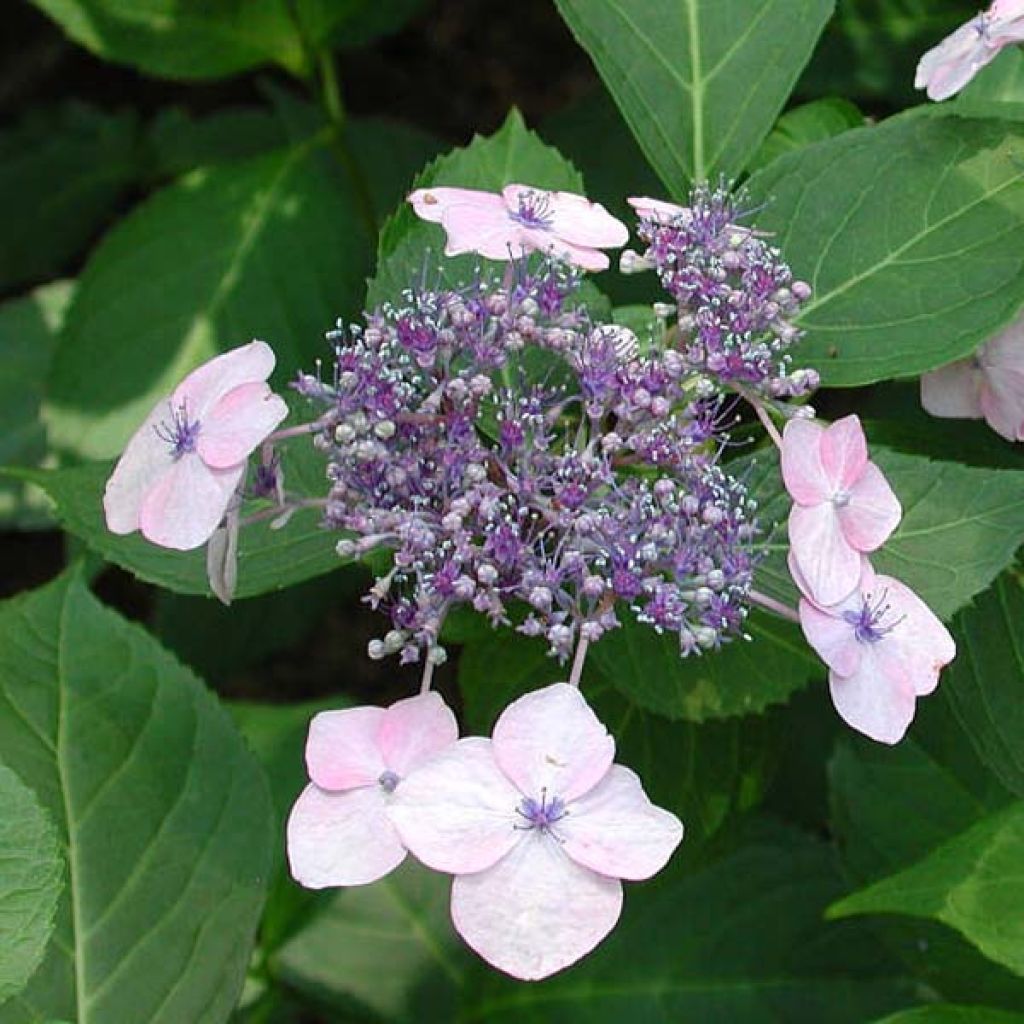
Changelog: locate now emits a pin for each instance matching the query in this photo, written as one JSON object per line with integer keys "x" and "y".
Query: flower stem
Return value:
{"x": 577, "y": 661}
{"x": 428, "y": 674}
{"x": 762, "y": 415}
{"x": 772, "y": 605}
{"x": 301, "y": 429}
{"x": 279, "y": 510}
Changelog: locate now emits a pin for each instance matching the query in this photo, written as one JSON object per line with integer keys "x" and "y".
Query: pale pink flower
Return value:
{"x": 520, "y": 220}
{"x": 842, "y": 504}
{"x": 884, "y": 648}
{"x": 990, "y": 384}
{"x": 179, "y": 472}
{"x": 358, "y": 759}
{"x": 538, "y": 826}
{"x": 946, "y": 68}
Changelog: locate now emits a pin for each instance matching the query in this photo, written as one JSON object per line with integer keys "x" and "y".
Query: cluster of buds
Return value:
{"x": 517, "y": 457}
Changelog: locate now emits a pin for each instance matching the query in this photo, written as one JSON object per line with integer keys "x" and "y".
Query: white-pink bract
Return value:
{"x": 842, "y": 504}
{"x": 179, "y": 472}
{"x": 538, "y": 826}
{"x": 520, "y": 220}
{"x": 946, "y": 68}
{"x": 989, "y": 385}
{"x": 358, "y": 759}
{"x": 884, "y": 648}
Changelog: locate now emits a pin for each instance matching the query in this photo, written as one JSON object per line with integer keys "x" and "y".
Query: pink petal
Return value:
{"x": 342, "y": 749}
{"x": 658, "y": 209}
{"x": 341, "y": 838}
{"x": 876, "y": 700}
{"x": 802, "y": 469}
{"x": 457, "y": 811}
{"x": 550, "y": 741}
{"x": 948, "y": 67}
{"x": 953, "y": 391}
{"x": 844, "y": 452}
{"x": 1002, "y": 402}
{"x": 489, "y": 232}
{"x": 145, "y": 459}
{"x": 1005, "y": 350}
{"x": 873, "y": 511}
{"x": 1006, "y": 10}
{"x": 208, "y": 384}
{"x": 538, "y": 240}
{"x": 829, "y": 567}
{"x": 240, "y": 420}
{"x": 183, "y": 508}
{"x": 616, "y": 830}
{"x": 575, "y": 219}
{"x": 431, "y": 203}
{"x": 833, "y": 639}
{"x": 415, "y": 729}
{"x": 918, "y": 639}
{"x": 536, "y": 911}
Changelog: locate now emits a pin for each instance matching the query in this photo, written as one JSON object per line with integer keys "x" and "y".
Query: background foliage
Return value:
{"x": 178, "y": 176}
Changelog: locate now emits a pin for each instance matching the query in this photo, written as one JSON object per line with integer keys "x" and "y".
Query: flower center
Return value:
{"x": 533, "y": 211}
{"x": 841, "y": 498}
{"x": 868, "y": 624}
{"x": 181, "y": 433}
{"x": 541, "y": 814}
{"x": 388, "y": 780}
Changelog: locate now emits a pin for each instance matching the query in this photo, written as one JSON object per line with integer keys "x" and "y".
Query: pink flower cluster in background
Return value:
{"x": 536, "y": 824}
{"x": 883, "y": 646}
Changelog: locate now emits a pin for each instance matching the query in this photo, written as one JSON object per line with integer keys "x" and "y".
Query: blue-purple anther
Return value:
{"x": 181, "y": 433}
{"x": 547, "y": 471}
{"x": 533, "y": 210}
{"x": 868, "y": 623}
{"x": 540, "y": 814}
{"x": 735, "y": 295}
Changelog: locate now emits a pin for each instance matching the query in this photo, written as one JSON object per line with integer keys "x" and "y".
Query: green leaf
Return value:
{"x": 985, "y": 684}
{"x": 163, "y": 812}
{"x": 946, "y": 272}
{"x": 953, "y": 1015}
{"x": 63, "y": 171}
{"x": 31, "y": 879}
{"x": 744, "y": 677}
{"x": 183, "y": 38}
{"x": 370, "y": 21}
{"x": 387, "y": 948}
{"x": 267, "y": 559}
{"x": 269, "y": 247}
{"x": 700, "y": 82}
{"x": 705, "y": 773}
{"x": 805, "y": 125}
{"x": 512, "y": 154}
{"x": 961, "y": 526}
{"x": 997, "y": 91}
{"x": 974, "y": 883}
{"x": 28, "y": 336}
{"x": 740, "y": 941}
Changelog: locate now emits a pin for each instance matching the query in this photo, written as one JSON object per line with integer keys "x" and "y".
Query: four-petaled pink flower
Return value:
{"x": 538, "y": 826}
{"x": 990, "y": 384}
{"x": 884, "y": 648}
{"x": 946, "y": 68}
{"x": 520, "y": 220}
{"x": 179, "y": 472}
{"x": 843, "y": 505}
{"x": 358, "y": 759}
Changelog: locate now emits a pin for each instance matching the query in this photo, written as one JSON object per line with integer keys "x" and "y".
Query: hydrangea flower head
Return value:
{"x": 946, "y": 68}
{"x": 989, "y": 385}
{"x": 884, "y": 648}
{"x": 338, "y": 831}
{"x": 181, "y": 469}
{"x": 842, "y": 504}
{"x": 520, "y": 220}
{"x": 538, "y": 826}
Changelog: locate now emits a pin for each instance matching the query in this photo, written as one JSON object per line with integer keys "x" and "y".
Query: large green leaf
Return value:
{"x": 705, "y": 773}
{"x": 62, "y": 172}
{"x": 410, "y": 249}
{"x": 974, "y": 883}
{"x": 740, "y": 941}
{"x": 700, "y": 82}
{"x": 268, "y": 247}
{"x": 946, "y": 1014}
{"x": 163, "y": 813}
{"x": 998, "y": 91}
{"x": 912, "y": 236}
{"x": 804, "y": 125}
{"x": 28, "y": 336}
{"x": 268, "y": 559}
{"x": 961, "y": 526}
{"x": 184, "y": 38}
{"x": 31, "y": 876}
